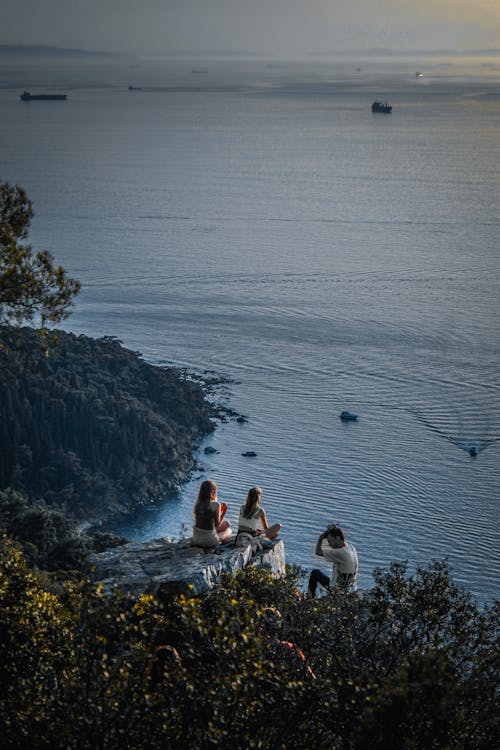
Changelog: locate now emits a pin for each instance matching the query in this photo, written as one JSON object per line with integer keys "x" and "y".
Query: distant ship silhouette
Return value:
{"x": 384, "y": 107}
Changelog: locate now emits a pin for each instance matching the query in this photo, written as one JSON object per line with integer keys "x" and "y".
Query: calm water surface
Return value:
{"x": 262, "y": 224}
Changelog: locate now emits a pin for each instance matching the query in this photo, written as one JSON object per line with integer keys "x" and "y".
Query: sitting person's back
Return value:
{"x": 209, "y": 528}
{"x": 251, "y": 523}
{"x": 252, "y": 518}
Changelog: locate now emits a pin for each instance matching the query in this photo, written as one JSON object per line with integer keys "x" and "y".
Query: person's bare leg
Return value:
{"x": 272, "y": 531}
{"x": 224, "y": 531}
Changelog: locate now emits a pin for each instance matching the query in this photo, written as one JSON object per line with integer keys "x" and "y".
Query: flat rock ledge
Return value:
{"x": 163, "y": 567}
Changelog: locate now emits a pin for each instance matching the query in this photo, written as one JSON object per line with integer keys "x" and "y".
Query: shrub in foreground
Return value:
{"x": 255, "y": 664}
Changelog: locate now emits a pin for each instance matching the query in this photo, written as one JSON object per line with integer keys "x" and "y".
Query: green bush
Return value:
{"x": 413, "y": 663}
{"x": 49, "y": 540}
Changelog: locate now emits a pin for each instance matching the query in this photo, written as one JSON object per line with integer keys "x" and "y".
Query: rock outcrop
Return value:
{"x": 162, "y": 567}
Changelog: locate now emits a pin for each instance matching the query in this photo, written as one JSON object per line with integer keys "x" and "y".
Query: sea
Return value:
{"x": 254, "y": 222}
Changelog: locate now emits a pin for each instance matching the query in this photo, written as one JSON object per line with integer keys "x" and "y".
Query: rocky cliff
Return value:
{"x": 163, "y": 567}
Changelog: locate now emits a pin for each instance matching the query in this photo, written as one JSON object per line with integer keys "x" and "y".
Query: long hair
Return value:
{"x": 206, "y": 493}
{"x": 252, "y": 501}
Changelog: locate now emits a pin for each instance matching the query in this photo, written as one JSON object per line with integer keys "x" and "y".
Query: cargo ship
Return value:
{"x": 383, "y": 107}
{"x": 27, "y": 97}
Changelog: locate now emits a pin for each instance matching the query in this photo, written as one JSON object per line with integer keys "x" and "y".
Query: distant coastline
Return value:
{"x": 49, "y": 51}
{"x": 42, "y": 50}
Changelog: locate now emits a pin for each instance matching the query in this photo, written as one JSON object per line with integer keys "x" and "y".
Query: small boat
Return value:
{"x": 384, "y": 107}
{"x": 348, "y": 416}
{"x": 249, "y": 454}
{"x": 27, "y": 97}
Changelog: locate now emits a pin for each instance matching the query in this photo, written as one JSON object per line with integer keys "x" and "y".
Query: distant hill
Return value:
{"x": 394, "y": 52}
{"x": 42, "y": 50}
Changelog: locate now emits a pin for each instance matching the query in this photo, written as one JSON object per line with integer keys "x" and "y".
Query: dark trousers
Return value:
{"x": 317, "y": 576}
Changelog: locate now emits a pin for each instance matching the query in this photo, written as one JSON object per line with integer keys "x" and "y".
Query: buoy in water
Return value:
{"x": 348, "y": 416}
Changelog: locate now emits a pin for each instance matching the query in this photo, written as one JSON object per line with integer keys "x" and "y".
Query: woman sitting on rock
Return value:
{"x": 210, "y": 528}
{"x": 252, "y": 519}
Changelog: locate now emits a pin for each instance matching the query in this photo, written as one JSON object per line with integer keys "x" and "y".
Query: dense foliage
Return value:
{"x": 47, "y": 536}
{"x": 31, "y": 286}
{"x": 255, "y": 664}
{"x": 92, "y": 429}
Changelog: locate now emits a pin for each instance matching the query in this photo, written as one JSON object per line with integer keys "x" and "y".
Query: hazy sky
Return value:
{"x": 269, "y": 27}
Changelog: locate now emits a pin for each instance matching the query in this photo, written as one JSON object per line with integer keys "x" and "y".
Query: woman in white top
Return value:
{"x": 252, "y": 519}
{"x": 210, "y": 527}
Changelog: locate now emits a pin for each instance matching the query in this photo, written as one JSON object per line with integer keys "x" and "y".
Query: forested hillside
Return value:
{"x": 92, "y": 429}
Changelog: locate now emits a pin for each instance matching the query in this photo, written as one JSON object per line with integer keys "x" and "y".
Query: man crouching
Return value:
{"x": 333, "y": 547}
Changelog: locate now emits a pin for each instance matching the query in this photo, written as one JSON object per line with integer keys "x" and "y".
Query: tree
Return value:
{"x": 411, "y": 664}
{"x": 32, "y": 287}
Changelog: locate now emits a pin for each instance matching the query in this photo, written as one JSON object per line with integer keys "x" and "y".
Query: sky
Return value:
{"x": 273, "y": 28}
